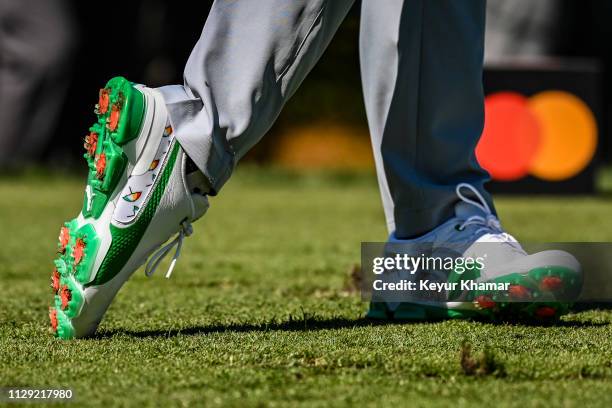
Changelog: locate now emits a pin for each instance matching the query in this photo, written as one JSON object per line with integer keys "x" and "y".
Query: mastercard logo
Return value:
{"x": 551, "y": 135}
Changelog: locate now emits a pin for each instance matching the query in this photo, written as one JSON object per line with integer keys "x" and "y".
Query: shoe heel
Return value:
{"x": 119, "y": 111}
{"x": 125, "y": 109}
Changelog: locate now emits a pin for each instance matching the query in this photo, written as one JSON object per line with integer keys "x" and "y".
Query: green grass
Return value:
{"x": 258, "y": 311}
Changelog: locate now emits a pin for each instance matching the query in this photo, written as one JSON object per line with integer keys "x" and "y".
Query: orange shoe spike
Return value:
{"x": 103, "y": 101}
{"x": 64, "y": 238}
{"x": 100, "y": 166}
{"x": 55, "y": 280}
{"x": 113, "y": 119}
{"x": 551, "y": 283}
{"x": 78, "y": 251}
{"x": 91, "y": 143}
{"x": 519, "y": 292}
{"x": 65, "y": 296}
{"x": 53, "y": 318}
{"x": 485, "y": 302}
{"x": 545, "y": 312}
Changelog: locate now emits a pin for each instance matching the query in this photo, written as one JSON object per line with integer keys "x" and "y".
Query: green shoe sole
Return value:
{"x": 119, "y": 114}
{"x": 532, "y": 296}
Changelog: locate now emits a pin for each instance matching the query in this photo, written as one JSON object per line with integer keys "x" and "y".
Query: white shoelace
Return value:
{"x": 185, "y": 231}
{"x": 489, "y": 223}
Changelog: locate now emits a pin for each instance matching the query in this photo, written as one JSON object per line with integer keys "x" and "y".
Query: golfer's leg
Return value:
{"x": 250, "y": 59}
{"x": 421, "y": 64}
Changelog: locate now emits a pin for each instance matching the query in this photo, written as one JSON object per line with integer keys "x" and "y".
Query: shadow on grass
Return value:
{"x": 314, "y": 324}
{"x": 308, "y": 324}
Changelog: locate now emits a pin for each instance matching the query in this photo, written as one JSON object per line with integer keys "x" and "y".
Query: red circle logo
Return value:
{"x": 551, "y": 135}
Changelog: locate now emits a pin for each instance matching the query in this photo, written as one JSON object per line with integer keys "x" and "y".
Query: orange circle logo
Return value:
{"x": 551, "y": 135}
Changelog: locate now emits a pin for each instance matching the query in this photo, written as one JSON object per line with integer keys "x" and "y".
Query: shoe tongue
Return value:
{"x": 464, "y": 210}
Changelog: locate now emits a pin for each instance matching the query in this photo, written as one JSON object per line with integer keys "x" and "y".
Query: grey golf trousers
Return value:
{"x": 421, "y": 66}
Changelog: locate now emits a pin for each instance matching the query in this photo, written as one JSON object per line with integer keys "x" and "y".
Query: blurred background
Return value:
{"x": 547, "y": 79}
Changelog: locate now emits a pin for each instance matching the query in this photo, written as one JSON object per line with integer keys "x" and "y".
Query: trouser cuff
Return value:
{"x": 194, "y": 130}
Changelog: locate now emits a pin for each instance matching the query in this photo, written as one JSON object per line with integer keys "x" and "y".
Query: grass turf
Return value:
{"x": 258, "y": 311}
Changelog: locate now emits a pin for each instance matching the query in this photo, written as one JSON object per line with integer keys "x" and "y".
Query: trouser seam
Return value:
{"x": 294, "y": 58}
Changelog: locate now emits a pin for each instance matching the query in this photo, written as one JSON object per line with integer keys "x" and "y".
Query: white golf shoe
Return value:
{"x": 506, "y": 282}
{"x": 137, "y": 196}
